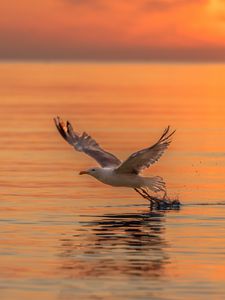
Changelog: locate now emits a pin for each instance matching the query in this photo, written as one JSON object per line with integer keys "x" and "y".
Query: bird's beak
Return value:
{"x": 83, "y": 172}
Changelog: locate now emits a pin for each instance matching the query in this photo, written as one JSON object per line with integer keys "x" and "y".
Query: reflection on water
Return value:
{"x": 117, "y": 245}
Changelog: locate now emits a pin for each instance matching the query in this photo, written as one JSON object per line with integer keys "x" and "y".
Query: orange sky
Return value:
{"x": 112, "y": 29}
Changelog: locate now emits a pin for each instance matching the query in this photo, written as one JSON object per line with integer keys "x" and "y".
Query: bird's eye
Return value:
{"x": 93, "y": 170}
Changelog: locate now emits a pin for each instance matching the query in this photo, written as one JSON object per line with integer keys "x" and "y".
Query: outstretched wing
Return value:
{"x": 85, "y": 143}
{"x": 142, "y": 159}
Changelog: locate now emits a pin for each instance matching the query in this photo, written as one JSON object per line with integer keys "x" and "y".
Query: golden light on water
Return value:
{"x": 62, "y": 231}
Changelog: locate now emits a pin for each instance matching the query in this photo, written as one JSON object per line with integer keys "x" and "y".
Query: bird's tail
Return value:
{"x": 155, "y": 184}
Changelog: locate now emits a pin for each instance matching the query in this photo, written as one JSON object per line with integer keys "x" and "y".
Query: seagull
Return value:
{"x": 113, "y": 171}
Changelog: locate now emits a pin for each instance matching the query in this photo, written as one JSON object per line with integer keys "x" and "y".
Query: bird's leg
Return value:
{"x": 165, "y": 200}
{"x": 156, "y": 200}
{"x": 165, "y": 195}
{"x": 145, "y": 195}
{"x": 163, "y": 203}
{"x": 137, "y": 190}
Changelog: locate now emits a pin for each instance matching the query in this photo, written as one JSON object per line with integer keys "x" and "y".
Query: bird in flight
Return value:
{"x": 114, "y": 172}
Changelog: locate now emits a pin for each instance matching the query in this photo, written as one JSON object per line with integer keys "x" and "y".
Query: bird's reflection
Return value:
{"x": 116, "y": 245}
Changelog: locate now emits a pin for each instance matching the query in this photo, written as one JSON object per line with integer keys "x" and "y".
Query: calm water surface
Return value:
{"x": 65, "y": 236}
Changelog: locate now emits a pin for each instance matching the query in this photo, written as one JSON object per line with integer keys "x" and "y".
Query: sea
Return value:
{"x": 65, "y": 236}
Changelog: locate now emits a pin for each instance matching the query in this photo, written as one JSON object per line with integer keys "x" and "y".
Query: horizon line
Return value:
{"x": 112, "y": 60}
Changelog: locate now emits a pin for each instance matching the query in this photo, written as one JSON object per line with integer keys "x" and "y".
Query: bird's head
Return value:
{"x": 95, "y": 172}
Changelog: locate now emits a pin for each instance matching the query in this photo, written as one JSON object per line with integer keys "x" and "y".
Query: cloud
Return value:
{"x": 169, "y": 4}
{"x": 83, "y": 2}
{"x": 98, "y": 4}
{"x": 158, "y": 4}
{"x": 149, "y": 5}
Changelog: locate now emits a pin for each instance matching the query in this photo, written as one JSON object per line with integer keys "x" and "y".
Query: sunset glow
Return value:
{"x": 97, "y": 29}
{"x": 140, "y": 86}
